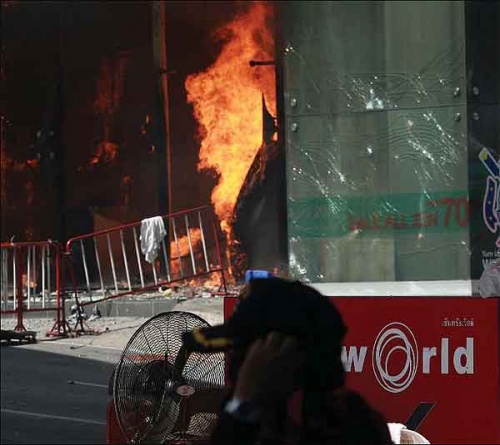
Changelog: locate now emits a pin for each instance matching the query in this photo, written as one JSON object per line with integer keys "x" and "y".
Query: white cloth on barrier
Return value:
{"x": 401, "y": 435}
{"x": 489, "y": 283}
{"x": 152, "y": 233}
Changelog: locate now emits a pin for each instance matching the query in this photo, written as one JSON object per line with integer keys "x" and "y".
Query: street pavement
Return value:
{"x": 56, "y": 391}
{"x": 41, "y": 406}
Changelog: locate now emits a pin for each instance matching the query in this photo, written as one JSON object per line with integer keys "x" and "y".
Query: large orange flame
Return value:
{"x": 227, "y": 102}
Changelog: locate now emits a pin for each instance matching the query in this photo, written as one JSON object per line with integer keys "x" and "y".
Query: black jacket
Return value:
{"x": 342, "y": 417}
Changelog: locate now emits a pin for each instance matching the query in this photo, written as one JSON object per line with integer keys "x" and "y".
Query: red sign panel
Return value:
{"x": 431, "y": 363}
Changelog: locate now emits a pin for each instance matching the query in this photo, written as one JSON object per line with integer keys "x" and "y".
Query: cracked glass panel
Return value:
{"x": 376, "y": 141}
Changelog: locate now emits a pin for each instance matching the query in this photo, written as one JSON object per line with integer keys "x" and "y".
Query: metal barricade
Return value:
{"x": 30, "y": 282}
{"x": 111, "y": 263}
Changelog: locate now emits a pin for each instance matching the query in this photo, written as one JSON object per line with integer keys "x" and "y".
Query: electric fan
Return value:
{"x": 162, "y": 392}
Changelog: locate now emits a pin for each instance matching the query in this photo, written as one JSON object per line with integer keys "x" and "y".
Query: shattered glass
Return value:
{"x": 376, "y": 141}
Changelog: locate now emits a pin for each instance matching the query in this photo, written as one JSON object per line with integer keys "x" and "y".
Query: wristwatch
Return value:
{"x": 242, "y": 410}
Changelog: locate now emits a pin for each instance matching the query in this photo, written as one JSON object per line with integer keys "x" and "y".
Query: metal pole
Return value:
{"x": 153, "y": 266}
{"x": 34, "y": 273}
{"x": 138, "y": 256}
{"x": 177, "y": 245}
{"x": 219, "y": 255}
{"x": 112, "y": 261}
{"x": 203, "y": 242}
{"x": 60, "y": 307}
{"x": 44, "y": 253}
{"x": 15, "y": 279}
{"x": 165, "y": 257}
{"x": 160, "y": 43}
{"x": 85, "y": 268}
{"x": 5, "y": 279}
{"x": 125, "y": 261}
{"x": 19, "y": 294}
{"x": 49, "y": 278}
{"x": 190, "y": 244}
{"x": 98, "y": 261}
{"x": 28, "y": 276}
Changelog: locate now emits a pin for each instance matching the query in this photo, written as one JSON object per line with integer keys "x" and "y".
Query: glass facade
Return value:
{"x": 376, "y": 137}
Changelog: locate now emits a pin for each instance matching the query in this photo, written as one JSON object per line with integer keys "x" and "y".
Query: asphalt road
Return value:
{"x": 40, "y": 406}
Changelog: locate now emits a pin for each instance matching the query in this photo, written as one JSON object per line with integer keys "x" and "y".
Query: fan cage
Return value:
{"x": 152, "y": 366}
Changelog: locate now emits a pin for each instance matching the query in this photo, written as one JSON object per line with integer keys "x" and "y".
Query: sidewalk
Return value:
{"x": 115, "y": 332}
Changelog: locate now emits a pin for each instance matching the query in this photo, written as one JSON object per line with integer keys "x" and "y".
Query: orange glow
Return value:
{"x": 181, "y": 248}
{"x": 109, "y": 93}
{"x": 110, "y": 84}
{"x": 227, "y": 103}
{"x": 106, "y": 152}
{"x": 213, "y": 280}
{"x": 7, "y": 164}
{"x": 13, "y": 165}
{"x": 32, "y": 163}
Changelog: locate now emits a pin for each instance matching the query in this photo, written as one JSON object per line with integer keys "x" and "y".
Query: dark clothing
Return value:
{"x": 345, "y": 418}
{"x": 267, "y": 305}
{"x": 292, "y": 309}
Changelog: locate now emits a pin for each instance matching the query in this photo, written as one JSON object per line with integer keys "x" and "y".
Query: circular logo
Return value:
{"x": 185, "y": 391}
{"x": 395, "y": 357}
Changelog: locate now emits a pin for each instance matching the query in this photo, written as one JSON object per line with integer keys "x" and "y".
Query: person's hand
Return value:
{"x": 268, "y": 370}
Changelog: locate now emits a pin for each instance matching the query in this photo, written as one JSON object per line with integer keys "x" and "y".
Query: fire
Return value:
{"x": 212, "y": 281}
{"x": 181, "y": 248}
{"x": 109, "y": 93}
{"x": 227, "y": 103}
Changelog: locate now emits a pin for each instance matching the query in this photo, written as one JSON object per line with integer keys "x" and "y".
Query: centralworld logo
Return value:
{"x": 395, "y": 357}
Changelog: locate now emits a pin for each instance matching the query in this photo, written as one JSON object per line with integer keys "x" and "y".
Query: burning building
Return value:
{"x": 338, "y": 191}
{"x": 107, "y": 164}
{"x": 76, "y": 112}
{"x": 234, "y": 102}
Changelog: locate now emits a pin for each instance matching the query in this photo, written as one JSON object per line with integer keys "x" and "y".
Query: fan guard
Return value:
{"x": 163, "y": 393}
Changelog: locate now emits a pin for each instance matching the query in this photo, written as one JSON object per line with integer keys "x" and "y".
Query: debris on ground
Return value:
{"x": 118, "y": 330}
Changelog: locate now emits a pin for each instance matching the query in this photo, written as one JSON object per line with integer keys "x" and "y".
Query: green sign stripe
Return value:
{"x": 338, "y": 216}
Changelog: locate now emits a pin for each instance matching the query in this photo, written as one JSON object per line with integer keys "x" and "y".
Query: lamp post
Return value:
{"x": 163, "y": 114}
